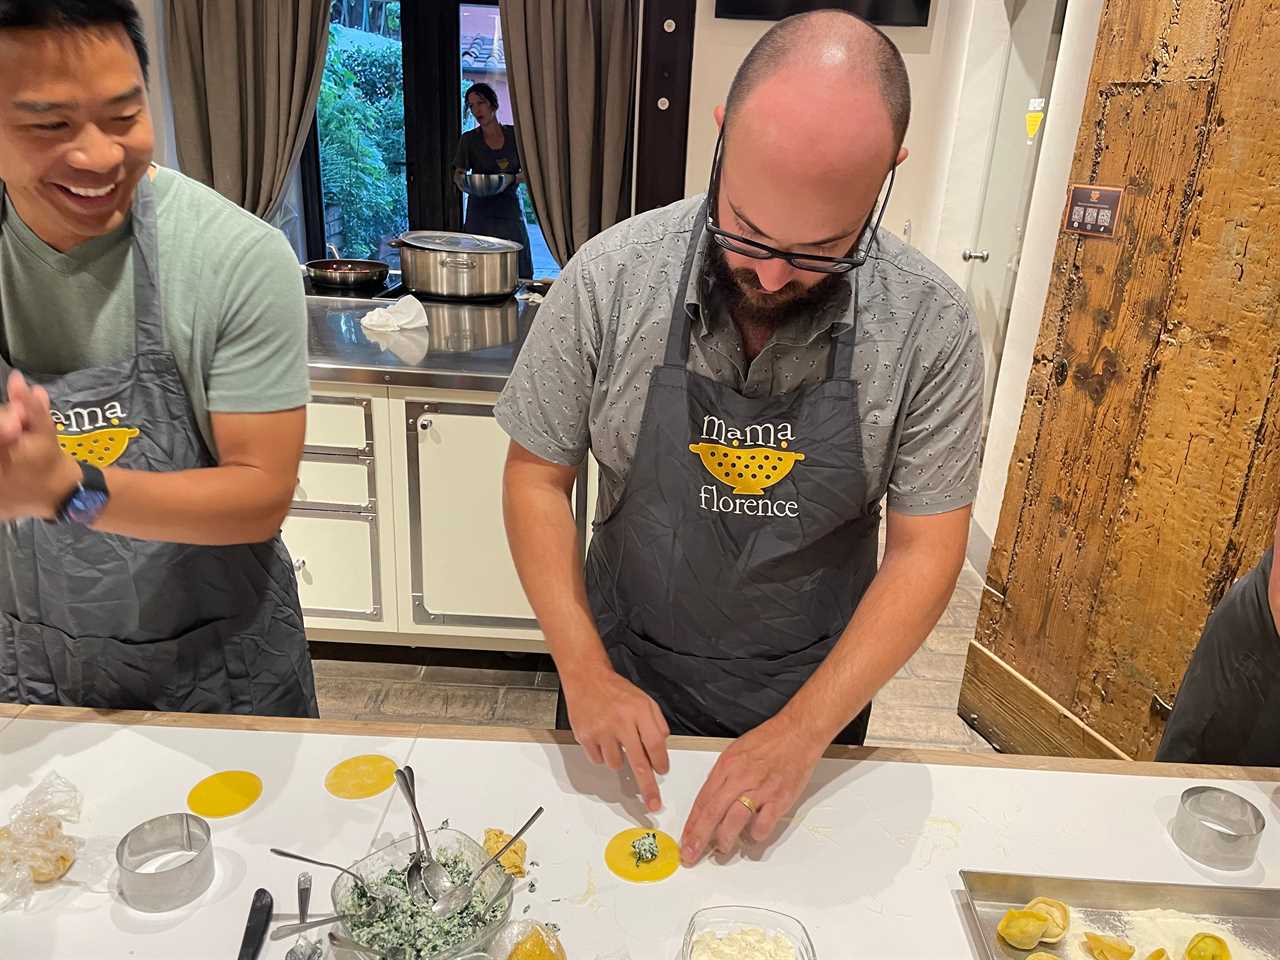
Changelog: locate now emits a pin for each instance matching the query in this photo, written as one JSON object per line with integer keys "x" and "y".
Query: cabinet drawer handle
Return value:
{"x": 299, "y": 565}
{"x": 425, "y": 423}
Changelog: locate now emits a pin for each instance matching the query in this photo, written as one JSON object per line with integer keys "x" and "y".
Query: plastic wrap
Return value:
{"x": 516, "y": 932}
{"x": 33, "y": 847}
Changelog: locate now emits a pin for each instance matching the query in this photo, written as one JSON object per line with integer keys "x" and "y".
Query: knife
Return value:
{"x": 255, "y": 928}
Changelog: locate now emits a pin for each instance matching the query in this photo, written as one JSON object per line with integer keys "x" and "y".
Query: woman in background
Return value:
{"x": 491, "y": 148}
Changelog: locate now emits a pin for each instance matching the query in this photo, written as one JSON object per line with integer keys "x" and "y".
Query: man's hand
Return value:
{"x": 770, "y": 766}
{"x": 612, "y": 718}
{"x": 35, "y": 474}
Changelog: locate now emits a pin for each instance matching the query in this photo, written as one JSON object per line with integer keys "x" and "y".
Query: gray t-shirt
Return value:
{"x": 231, "y": 293}
{"x": 583, "y": 375}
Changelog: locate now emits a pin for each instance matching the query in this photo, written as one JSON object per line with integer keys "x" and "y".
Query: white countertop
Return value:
{"x": 871, "y": 858}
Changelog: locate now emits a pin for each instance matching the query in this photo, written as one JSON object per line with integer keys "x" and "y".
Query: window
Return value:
{"x": 388, "y": 118}
{"x": 360, "y": 125}
{"x": 483, "y": 60}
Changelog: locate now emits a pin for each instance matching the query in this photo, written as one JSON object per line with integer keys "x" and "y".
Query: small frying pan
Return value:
{"x": 338, "y": 272}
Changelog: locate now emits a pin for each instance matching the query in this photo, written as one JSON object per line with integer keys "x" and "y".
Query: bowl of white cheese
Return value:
{"x": 746, "y": 933}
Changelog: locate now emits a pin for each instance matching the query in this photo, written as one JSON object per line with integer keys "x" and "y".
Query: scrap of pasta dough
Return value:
{"x": 1108, "y": 948}
{"x": 513, "y": 860}
{"x": 47, "y": 852}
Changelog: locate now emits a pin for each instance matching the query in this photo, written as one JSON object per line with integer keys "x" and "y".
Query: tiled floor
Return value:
{"x": 356, "y": 681}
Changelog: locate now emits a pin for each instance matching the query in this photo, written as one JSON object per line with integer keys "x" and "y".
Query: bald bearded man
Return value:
{"x": 754, "y": 370}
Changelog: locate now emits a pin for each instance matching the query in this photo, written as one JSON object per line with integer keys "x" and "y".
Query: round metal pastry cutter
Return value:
{"x": 1218, "y": 828}
{"x": 166, "y": 862}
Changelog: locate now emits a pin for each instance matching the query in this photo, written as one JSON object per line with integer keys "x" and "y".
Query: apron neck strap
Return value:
{"x": 4, "y": 343}
{"x": 843, "y": 343}
{"x": 149, "y": 328}
{"x": 678, "y": 334}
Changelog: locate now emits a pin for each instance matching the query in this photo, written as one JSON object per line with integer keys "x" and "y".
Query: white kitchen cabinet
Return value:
{"x": 330, "y": 482}
{"x": 461, "y": 566}
{"x": 340, "y": 529}
{"x": 340, "y": 422}
{"x": 335, "y": 555}
{"x": 397, "y": 521}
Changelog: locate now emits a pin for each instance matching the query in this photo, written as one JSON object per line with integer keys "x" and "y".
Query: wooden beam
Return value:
{"x": 1146, "y": 472}
{"x": 1016, "y": 716}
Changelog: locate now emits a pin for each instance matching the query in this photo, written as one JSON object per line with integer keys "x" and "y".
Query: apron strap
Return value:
{"x": 843, "y": 343}
{"x": 5, "y": 368}
{"x": 149, "y": 327}
{"x": 678, "y": 333}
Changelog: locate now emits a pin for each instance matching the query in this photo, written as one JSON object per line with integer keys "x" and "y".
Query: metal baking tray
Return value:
{"x": 1250, "y": 914}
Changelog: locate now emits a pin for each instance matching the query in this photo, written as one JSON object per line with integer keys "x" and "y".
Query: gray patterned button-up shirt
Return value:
{"x": 583, "y": 374}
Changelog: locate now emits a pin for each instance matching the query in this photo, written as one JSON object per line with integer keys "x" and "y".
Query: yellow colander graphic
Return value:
{"x": 751, "y": 470}
{"x": 100, "y": 448}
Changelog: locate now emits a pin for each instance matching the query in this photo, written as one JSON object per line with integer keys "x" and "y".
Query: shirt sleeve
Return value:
{"x": 260, "y": 358}
{"x": 546, "y": 406}
{"x": 938, "y": 460}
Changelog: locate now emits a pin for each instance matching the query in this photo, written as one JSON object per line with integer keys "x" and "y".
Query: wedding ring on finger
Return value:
{"x": 748, "y": 803}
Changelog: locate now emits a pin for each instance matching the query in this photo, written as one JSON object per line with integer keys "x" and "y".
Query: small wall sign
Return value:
{"x": 1092, "y": 211}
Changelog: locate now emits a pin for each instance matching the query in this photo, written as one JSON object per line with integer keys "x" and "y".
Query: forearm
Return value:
{"x": 901, "y": 606}
{"x": 544, "y": 545}
{"x": 214, "y": 506}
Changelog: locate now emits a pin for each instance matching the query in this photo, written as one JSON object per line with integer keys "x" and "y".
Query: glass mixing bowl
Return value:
{"x": 373, "y": 867}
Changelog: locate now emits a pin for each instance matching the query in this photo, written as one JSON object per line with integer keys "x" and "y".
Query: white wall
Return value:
{"x": 1061, "y": 126}
{"x": 932, "y": 56}
{"x": 161, "y": 107}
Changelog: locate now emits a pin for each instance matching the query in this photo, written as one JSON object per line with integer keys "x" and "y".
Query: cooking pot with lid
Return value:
{"x": 443, "y": 264}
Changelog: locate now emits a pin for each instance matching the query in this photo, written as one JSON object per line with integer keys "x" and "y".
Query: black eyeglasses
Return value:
{"x": 756, "y": 250}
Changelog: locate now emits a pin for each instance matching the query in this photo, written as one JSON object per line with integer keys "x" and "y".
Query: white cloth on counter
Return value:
{"x": 407, "y": 313}
{"x": 410, "y": 345}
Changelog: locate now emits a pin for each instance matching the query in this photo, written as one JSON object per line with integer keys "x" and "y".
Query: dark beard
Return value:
{"x": 750, "y": 305}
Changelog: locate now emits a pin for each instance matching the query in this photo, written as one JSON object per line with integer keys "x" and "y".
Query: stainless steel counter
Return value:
{"x": 466, "y": 346}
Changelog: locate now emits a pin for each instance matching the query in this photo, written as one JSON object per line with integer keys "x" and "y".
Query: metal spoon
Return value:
{"x": 458, "y": 898}
{"x": 413, "y": 881}
{"x": 436, "y": 876}
{"x": 425, "y": 878}
{"x": 301, "y": 950}
{"x": 332, "y": 866}
{"x": 286, "y": 930}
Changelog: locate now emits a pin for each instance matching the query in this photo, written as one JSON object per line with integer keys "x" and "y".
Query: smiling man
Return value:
{"x": 153, "y": 386}
{"x": 754, "y": 370}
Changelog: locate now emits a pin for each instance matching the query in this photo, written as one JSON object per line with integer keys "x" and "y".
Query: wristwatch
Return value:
{"x": 87, "y": 501}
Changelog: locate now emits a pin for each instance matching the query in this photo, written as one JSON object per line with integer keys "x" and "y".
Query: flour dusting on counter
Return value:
{"x": 751, "y": 943}
{"x": 1148, "y": 930}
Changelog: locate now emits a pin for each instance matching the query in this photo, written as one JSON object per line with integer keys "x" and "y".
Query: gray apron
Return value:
{"x": 1228, "y": 706}
{"x": 97, "y": 620}
{"x": 724, "y": 578}
{"x": 501, "y": 215}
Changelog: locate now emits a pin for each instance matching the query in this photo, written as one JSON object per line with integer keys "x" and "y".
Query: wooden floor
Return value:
{"x": 423, "y": 685}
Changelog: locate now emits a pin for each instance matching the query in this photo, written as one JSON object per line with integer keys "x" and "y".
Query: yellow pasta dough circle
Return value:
{"x": 359, "y": 778}
{"x": 225, "y": 794}
{"x": 619, "y": 857}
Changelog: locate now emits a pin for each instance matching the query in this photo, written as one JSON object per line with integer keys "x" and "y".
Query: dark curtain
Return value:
{"x": 571, "y": 72}
{"x": 244, "y": 76}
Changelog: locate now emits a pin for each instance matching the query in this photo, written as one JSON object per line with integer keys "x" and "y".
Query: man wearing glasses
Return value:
{"x": 754, "y": 371}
